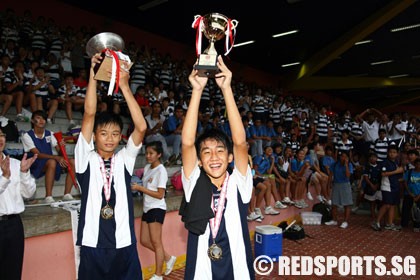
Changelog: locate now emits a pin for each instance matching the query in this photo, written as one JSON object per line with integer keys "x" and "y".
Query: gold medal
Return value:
{"x": 107, "y": 212}
{"x": 214, "y": 252}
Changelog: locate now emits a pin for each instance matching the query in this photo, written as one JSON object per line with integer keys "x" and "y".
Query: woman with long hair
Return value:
{"x": 154, "y": 180}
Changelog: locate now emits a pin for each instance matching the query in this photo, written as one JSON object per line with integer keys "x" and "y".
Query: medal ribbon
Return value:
{"x": 115, "y": 76}
{"x": 107, "y": 181}
{"x": 198, "y": 24}
{"x": 215, "y": 222}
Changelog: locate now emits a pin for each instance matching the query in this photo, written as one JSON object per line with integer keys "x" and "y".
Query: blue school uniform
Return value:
{"x": 44, "y": 146}
{"x": 263, "y": 163}
{"x": 390, "y": 184}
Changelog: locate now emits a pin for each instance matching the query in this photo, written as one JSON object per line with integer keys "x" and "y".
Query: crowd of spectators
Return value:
{"x": 44, "y": 67}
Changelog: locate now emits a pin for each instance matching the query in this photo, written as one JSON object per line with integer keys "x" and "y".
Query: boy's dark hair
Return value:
{"x": 329, "y": 148}
{"x": 39, "y": 68}
{"x": 245, "y": 119}
{"x": 178, "y": 107}
{"x": 105, "y": 118}
{"x": 155, "y": 145}
{"x": 156, "y": 102}
{"x": 344, "y": 152}
{"x": 40, "y": 113}
{"x": 68, "y": 75}
{"x": 139, "y": 88}
{"x": 372, "y": 155}
{"x": 166, "y": 99}
{"x": 413, "y": 151}
{"x": 393, "y": 147}
{"x": 18, "y": 62}
{"x": 346, "y": 131}
{"x": 381, "y": 131}
{"x": 214, "y": 134}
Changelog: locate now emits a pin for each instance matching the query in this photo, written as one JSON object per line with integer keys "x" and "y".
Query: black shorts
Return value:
{"x": 256, "y": 181}
{"x": 154, "y": 215}
{"x": 391, "y": 198}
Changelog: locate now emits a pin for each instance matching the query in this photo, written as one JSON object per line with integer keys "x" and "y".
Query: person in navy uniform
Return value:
{"x": 218, "y": 241}
{"x": 106, "y": 225}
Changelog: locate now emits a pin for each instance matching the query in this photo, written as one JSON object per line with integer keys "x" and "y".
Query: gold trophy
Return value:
{"x": 214, "y": 26}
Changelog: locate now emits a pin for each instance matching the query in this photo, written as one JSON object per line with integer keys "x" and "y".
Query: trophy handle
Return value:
{"x": 234, "y": 23}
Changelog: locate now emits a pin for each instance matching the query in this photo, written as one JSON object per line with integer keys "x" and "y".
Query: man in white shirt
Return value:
{"x": 16, "y": 183}
{"x": 396, "y": 129}
{"x": 370, "y": 127}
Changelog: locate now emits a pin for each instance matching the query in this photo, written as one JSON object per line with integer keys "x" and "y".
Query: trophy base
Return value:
{"x": 207, "y": 65}
{"x": 206, "y": 70}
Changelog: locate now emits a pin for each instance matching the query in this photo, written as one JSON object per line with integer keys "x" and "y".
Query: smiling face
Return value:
{"x": 107, "y": 137}
{"x": 214, "y": 158}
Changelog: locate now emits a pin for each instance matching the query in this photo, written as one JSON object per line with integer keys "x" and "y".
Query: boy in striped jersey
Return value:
{"x": 380, "y": 146}
{"x": 344, "y": 144}
{"x": 322, "y": 124}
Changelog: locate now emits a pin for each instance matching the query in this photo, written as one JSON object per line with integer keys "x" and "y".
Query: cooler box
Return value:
{"x": 268, "y": 241}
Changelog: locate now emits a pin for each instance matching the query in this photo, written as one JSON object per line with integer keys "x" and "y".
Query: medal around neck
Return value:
{"x": 107, "y": 212}
{"x": 215, "y": 26}
{"x": 215, "y": 252}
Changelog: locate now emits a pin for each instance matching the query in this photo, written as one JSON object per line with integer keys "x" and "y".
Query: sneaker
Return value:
{"x": 258, "y": 220}
{"x": 344, "y": 225}
{"x": 286, "y": 200}
{"x": 279, "y": 205}
{"x": 72, "y": 124}
{"x": 20, "y": 118}
{"x": 304, "y": 204}
{"x": 270, "y": 211}
{"x": 388, "y": 227}
{"x": 354, "y": 209}
{"x": 68, "y": 197}
{"x": 395, "y": 227}
{"x": 170, "y": 265}
{"x": 49, "y": 121}
{"x": 298, "y": 204}
{"x": 258, "y": 213}
{"x": 376, "y": 226}
{"x": 319, "y": 197}
{"x": 309, "y": 195}
{"x": 331, "y": 223}
{"x": 49, "y": 199}
{"x": 155, "y": 277}
{"x": 252, "y": 216}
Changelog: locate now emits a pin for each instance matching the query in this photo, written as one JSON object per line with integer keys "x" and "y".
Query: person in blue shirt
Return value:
{"x": 173, "y": 131}
{"x": 299, "y": 166}
{"x": 264, "y": 164}
{"x": 258, "y": 134}
{"x": 341, "y": 189}
{"x": 270, "y": 133}
{"x": 390, "y": 189}
{"x": 412, "y": 187}
{"x": 328, "y": 162}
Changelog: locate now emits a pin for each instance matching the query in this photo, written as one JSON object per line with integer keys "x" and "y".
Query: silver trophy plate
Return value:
{"x": 105, "y": 40}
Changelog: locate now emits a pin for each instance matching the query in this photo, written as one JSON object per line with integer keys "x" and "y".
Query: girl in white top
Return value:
{"x": 154, "y": 180}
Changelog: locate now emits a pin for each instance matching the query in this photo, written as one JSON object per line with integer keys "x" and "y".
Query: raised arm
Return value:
{"x": 189, "y": 129}
{"x": 240, "y": 149}
{"x": 140, "y": 125}
{"x": 90, "y": 102}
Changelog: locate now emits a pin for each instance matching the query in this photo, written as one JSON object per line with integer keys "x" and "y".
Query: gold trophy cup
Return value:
{"x": 214, "y": 26}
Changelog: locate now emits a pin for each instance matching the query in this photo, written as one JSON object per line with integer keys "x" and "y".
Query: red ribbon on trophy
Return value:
{"x": 59, "y": 137}
{"x": 115, "y": 72}
{"x": 198, "y": 24}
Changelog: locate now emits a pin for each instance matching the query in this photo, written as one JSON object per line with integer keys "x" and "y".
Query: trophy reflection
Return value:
{"x": 214, "y": 26}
